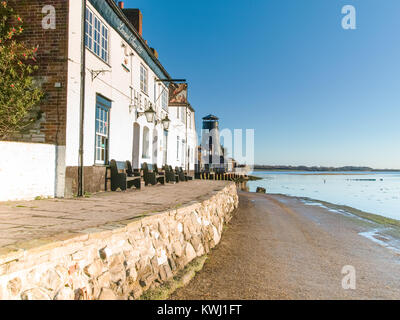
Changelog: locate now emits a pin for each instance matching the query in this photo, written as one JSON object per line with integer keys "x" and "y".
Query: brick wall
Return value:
{"x": 52, "y": 62}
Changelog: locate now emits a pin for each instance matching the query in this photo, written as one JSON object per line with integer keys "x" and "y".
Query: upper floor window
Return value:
{"x": 183, "y": 113}
{"x": 189, "y": 120}
{"x": 155, "y": 92}
{"x": 96, "y": 36}
{"x": 104, "y": 43}
{"x": 164, "y": 99}
{"x": 89, "y": 29}
{"x": 144, "y": 79}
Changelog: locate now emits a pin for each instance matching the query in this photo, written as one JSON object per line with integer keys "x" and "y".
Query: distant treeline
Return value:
{"x": 328, "y": 169}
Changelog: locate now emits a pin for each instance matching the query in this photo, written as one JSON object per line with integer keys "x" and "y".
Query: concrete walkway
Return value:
{"x": 24, "y": 221}
{"x": 278, "y": 248}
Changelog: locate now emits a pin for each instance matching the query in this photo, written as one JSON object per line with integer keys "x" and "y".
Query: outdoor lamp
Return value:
{"x": 166, "y": 122}
{"x": 149, "y": 113}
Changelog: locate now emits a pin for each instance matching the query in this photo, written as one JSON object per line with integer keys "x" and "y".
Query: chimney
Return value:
{"x": 136, "y": 18}
{"x": 121, "y": 5}
{"x": 154, "y": 52}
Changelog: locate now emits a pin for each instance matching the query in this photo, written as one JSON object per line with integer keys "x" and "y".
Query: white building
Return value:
{"x": 122, "y": 81}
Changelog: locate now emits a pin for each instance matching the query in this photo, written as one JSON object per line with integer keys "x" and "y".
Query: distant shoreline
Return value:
{"x": 319, "y": 173}
{"x": 326, "y": 171}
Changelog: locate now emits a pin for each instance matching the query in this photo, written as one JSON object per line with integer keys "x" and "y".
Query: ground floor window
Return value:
{"x": 165, "y": 147}
{"x": 102, "y": 129}
{"x": 190, "y": 155}
{"x": 146, "y": 143}
{"x": 183, "y": 151}
{"x": 177, "y": 147}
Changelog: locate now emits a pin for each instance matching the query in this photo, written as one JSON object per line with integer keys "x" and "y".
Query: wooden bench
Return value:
{"x": 184, "y": 174}
{"x": 170, "y": 175}
{"x": 180, "y": 174}
{"x": 122, "y": 180}
{"x": 150, "y": 176}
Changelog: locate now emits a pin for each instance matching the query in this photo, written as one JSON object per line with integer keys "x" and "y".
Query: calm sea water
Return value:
{"x": 373, "y": 192}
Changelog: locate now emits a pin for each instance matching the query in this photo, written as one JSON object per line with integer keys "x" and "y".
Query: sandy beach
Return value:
{"x": 279, "y": 247}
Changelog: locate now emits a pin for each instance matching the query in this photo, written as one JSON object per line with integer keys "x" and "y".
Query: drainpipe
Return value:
{"x": 187, "y": 165}
{"x": 82, "y": 101}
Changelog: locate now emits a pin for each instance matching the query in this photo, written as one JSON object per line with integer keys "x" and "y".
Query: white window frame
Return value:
{"x": 102, "y": 130}
{"x": 144, "y": 79}
{"x": 164, "y": 99}
{"x": 155, "y": 92}
{"x": 104, "y": 43}
{"x": 97, "y": 36}
{"x": 89, "y": 29}
{"x": 183, "y": 151}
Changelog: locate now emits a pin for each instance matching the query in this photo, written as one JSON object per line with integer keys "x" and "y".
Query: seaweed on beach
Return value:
{"x": 366, "y": 215}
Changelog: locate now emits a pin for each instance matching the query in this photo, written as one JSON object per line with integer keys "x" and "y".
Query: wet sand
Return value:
{"x": 276, "y": 247}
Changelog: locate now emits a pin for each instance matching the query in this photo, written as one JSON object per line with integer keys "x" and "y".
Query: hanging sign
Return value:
{"x": 178, "y": 94}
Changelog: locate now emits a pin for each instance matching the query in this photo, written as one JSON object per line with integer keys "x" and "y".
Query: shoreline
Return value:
{"x": 298, "y": 250}
{"x": 379, "y": 229}
{"x": 295, "y": 251}
{"x": 322, "y": 171}
{"x": 377, "y": 218}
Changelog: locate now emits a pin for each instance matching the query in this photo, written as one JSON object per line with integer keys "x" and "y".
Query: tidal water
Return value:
{"x": 373, "y": 192}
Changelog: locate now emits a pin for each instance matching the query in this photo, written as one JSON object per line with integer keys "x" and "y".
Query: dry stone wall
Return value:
{"x": 119, "y": 260}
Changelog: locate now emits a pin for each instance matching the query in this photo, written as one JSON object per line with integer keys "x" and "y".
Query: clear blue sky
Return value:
{"x": 315, "y": 94}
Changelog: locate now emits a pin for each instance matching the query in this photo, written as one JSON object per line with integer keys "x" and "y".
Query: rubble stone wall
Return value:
{"x": 119, "y": 260}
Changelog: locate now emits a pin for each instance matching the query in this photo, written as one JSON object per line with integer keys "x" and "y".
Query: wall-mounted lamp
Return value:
{"x": 166, "y": 122}
{"x": 149, "y": 113}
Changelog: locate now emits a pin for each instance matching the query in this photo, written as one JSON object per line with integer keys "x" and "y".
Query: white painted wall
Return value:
{"x": 28, "y": 170}
{"x": 178, "y": 129}
{"x": 115, "y": 85}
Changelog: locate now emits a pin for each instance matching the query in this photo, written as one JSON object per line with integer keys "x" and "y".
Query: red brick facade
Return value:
{"x": 53, "y": 63}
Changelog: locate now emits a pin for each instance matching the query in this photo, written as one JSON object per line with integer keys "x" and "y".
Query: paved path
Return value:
{"x": 278, "y": 248}
{"x": 24, "y": 221}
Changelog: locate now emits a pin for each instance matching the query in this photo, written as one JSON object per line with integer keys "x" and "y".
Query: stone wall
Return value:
{"x": 119, "y": 260}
